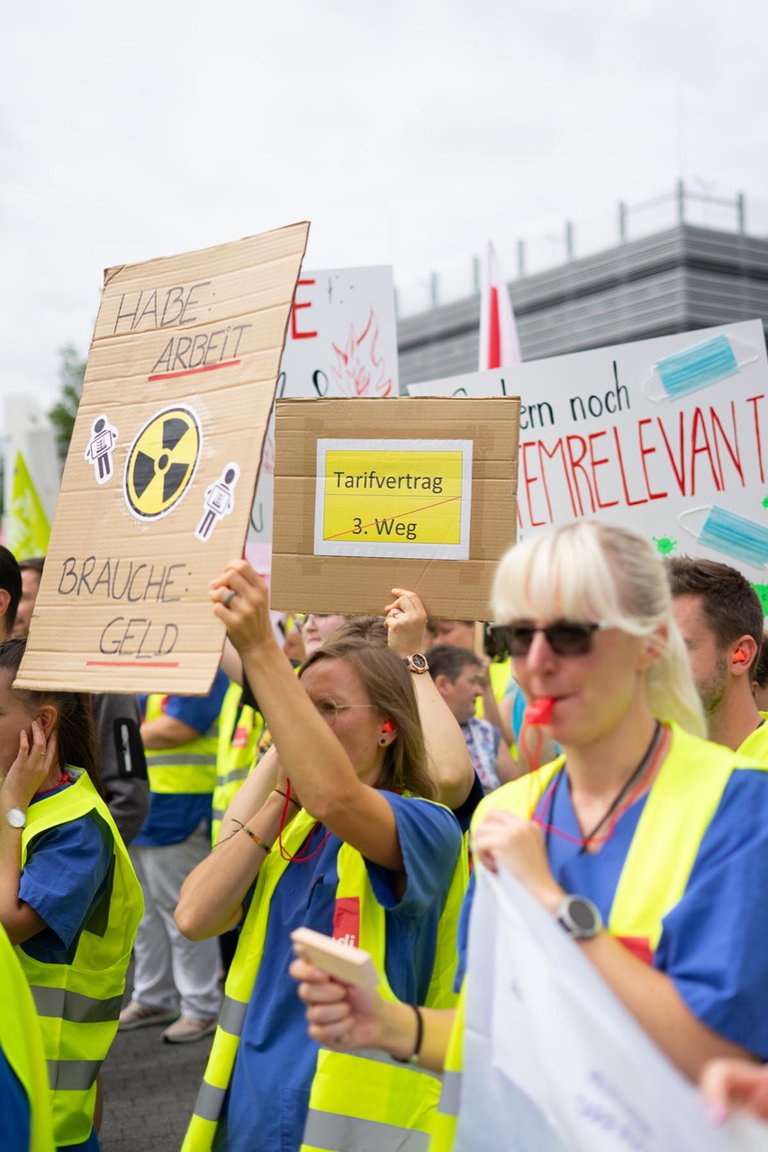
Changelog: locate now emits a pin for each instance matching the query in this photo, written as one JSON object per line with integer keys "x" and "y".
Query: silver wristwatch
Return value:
{"x": 16, "y": 817}
{"x": 579, "y": 917}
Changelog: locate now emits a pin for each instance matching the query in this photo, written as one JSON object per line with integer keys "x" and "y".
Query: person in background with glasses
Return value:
{"x": 647, "y": 843}
{"x": 344, "y": 840}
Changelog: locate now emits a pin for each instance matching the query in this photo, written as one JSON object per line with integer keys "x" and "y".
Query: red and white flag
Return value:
{"x": 499, "y": 345}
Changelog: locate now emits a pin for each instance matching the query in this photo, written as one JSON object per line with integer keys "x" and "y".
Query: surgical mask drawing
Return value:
{"x": 732, "y": 535}
{"x": 697, "y": 367}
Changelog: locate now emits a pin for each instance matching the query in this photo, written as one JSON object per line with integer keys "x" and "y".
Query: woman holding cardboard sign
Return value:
{"x": 647, "y": 844}
{"x": 345, "y": 843}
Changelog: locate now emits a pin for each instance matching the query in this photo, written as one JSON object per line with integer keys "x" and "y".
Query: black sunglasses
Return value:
{"x": 565, "y": 637}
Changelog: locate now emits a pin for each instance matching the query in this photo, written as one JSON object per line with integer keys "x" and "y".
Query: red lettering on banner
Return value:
{"x": 598, "y": 463}
{"x": 702, "y": 446}
{"x": 753, "y": 401}
{"x": 530, "y": 481}
{"x": 551, "y": 456}
{"x": 731, "y": 448}
{"x": 295, "y": 333}
{"x": 679, "y": 472}
{"x": 643, "y": 453}
{"x": 576, "y": 462}
{"x": 619, "y": 453}
{"x": 346, "y": 920}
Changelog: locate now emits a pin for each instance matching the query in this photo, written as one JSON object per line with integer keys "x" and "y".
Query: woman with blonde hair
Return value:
{"x": 648, "y": 844}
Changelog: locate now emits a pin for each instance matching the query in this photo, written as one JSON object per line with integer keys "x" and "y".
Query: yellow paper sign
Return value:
{"x": 393, "y": 498}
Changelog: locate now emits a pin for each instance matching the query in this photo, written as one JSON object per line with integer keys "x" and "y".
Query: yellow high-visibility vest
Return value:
{"x": 679, "y": 808}
{"x": 350, "y": 1093}
{"x": 79, "y": 1003}
{"x": 185, "y": 768}
{"x": 22, "y": 1045}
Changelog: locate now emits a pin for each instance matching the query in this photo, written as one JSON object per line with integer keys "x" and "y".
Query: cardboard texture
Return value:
{"x": 161, "y": 470}
{"x": 304, "y": 581}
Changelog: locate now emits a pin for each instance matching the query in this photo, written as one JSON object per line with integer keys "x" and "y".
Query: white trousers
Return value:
{"x": 171, "y": 972}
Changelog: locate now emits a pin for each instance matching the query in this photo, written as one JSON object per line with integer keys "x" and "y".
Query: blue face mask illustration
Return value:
{"x": 696, "y": 368}
{"x": 733, "y": 535}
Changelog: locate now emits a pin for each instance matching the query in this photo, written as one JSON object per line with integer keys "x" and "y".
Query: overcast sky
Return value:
{"x": 408, "y": 133}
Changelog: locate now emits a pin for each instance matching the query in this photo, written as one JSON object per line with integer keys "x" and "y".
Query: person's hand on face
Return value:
{"x": 35, "y": 762}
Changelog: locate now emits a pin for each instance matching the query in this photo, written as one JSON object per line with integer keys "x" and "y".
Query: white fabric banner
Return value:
{"x": 553, "y": 1062}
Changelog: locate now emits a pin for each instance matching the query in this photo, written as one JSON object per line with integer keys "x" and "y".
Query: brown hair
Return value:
{"x": 730, "y": 604}
{"x": 75, "y": 726}
{"x": 389, "y": 687}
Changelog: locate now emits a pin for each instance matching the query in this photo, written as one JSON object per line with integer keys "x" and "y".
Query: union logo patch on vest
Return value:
{"x": 346, "y": 920}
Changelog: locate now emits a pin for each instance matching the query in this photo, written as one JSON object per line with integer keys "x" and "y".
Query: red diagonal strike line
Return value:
{"x": 132, "y": 664}
{"x": 399, "y": 516}
{"x": 194, "y": 371}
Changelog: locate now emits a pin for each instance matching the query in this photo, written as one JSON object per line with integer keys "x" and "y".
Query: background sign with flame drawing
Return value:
{"x": 341, "y": 342}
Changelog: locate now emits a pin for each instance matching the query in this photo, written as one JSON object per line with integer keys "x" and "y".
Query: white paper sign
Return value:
{"x": 397, "y": 498}
{"x": 341, "y": 341}
{"x": 553, "y": 1062}
{"x": 669, "y": 436}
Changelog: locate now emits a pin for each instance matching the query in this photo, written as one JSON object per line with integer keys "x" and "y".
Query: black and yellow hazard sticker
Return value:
{"x": 162, "y": 463}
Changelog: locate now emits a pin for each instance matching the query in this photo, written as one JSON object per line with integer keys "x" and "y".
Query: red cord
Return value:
{"x": 285, "y": 854}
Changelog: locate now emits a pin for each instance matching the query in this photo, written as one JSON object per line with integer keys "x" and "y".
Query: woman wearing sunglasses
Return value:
{"x": 648, "y": 844}
{"x": 344, "y": 842}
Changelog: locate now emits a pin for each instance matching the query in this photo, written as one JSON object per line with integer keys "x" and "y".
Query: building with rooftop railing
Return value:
{"x": 685, "y": 275}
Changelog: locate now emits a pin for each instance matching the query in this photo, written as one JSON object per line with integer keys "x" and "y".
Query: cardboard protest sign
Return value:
{"x": 553, "y": 1060}
{"x": 375, "y": 495}
{"x": 341, "y": 341}
{"x": 159, "y": 480}
{"x": 669, "y": 436}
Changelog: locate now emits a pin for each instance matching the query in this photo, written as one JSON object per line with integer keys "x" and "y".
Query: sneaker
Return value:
{"x": 136, "y": 1015}
{"x": 189, "y": 1028}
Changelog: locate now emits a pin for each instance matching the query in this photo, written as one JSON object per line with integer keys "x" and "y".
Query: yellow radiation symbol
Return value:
{"x": 162, "y": 462}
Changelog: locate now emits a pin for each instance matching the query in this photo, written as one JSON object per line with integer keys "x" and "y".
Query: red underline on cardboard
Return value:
{"x": 132, "y": 663}
{"x": 194, "y": 371}
{"x": 398, "y": 516}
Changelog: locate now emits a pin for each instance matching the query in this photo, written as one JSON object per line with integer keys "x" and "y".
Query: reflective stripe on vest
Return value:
{"x": 324, "y": 1131}
{"x": 79, "y": 1002}
{"x": 22, "y": 1046}
{"x": 188, "y": 768}
{"x": 75, "y": 1006}
{"x": 677, "y": 812}
{"x": 416, "y": 1091}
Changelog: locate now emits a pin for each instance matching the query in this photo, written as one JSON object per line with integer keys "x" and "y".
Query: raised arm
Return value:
{"x": 211, "y": 898}
{"x": 313, "y": 758}
{"x": 449, "y": 759}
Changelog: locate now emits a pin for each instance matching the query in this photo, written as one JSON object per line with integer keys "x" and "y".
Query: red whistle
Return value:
{"x": 539, "y": 711}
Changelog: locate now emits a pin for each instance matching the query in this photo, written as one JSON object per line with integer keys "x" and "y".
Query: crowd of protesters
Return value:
{"x": 604, "y": 743}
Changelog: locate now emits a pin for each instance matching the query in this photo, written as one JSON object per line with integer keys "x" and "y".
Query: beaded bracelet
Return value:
{"x": 256, "y": 839}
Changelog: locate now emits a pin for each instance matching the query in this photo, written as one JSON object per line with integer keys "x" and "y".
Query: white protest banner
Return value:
{"x": 341, "y": 341}
{"x": 159, "y": 479}
{"x": 553, "y": 1062}
{"x": 669, "y": 436}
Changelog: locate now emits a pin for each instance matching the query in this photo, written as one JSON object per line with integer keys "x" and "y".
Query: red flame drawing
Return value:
{"x": 359, "y": 371}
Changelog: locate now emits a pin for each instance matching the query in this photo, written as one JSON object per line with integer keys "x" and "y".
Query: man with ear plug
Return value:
{"x": 721, "y": 619}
